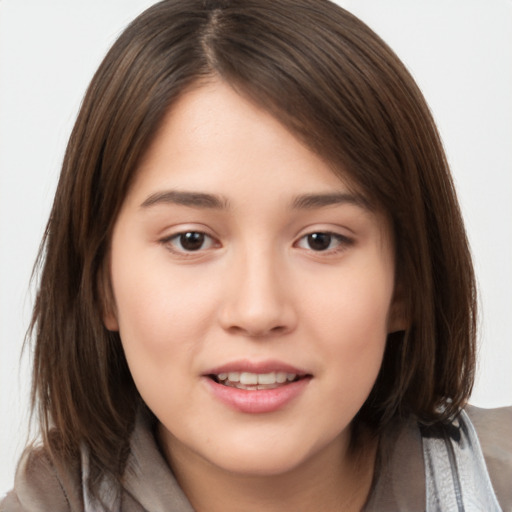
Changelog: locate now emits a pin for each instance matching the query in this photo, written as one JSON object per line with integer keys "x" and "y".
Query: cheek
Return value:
{"x": 355, "y": 305}
{"x": 162, "y": 325}
{"x": 158, "y": 304}
{"x": 350, "y": 319}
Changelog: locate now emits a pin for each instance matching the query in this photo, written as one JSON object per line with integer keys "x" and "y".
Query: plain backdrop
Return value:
{"x": 459, "y": 51}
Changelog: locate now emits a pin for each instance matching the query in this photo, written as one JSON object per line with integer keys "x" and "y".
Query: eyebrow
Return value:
{"x": 212, "y": 201}
{"x": 311, "y": 201}
{"x": 184, "y": 198}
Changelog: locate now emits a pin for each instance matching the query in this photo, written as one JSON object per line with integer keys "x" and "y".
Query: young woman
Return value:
{"x": 256, "y": 290}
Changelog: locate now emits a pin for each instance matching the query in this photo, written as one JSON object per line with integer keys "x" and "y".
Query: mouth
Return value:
{"x": 258, "y": 387}
{"x": 256, "y": 381}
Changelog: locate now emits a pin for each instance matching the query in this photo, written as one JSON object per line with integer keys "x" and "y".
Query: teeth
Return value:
{"x": 234, "y": 376}
{"x": 280, "y": 377}
{"x": 256, "y": 379}
{"x": 248, "y": 378}
{"x": 267, "y": 378}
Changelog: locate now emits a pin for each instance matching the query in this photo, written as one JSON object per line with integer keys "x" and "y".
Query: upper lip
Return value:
{"x": 245, "y": 365}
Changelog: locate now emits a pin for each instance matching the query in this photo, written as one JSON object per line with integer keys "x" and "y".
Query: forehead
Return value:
{"x": 213, "y": 137}
{"x": 220, "y": 156}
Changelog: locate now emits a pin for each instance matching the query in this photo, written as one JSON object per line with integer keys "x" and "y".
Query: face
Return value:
{"x": 252, "y": 289}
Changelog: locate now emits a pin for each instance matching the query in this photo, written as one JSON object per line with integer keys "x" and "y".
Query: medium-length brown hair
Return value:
{"x": 340, "y": 89}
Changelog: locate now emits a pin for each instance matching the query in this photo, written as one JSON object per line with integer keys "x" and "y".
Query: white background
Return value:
{"x": 460, "y": 52}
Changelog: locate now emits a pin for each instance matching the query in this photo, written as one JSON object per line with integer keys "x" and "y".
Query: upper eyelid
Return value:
{"x": 180, "y": 229}
{"x": 180, "y": 233}
{"x": 334, "y": 234}
{"x": 184, "y": 253}
{"x": 344, "y": 242}
{"x": 301, "y": 234}
{"x": 339, "y": 231}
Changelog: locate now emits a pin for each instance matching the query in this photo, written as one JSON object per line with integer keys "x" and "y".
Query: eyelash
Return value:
{"x": 171, "y": 241}
{"x": 342, "y": 242}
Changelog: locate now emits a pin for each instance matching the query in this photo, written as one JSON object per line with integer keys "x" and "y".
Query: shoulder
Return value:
{"x": 41, "y": 485}
{"x": 494, "y": 430}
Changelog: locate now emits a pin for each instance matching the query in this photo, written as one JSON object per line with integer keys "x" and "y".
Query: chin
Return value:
{"x": 261, "y": 465}
{"x": 262, "y": 456}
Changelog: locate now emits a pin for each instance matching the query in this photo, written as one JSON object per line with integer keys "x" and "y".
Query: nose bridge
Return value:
{"x": 257, "y": 301}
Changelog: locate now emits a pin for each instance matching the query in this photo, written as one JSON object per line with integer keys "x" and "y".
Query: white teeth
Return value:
{"x": 280, "y": 377}
{"x": 247, "y": 378}
{"x": 267, "y": 378}
{"x": 256, "y": 379}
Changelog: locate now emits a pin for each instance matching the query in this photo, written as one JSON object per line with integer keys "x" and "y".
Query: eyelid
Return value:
{"x": 167, "y": 240}
{"x": 344, "y": 241}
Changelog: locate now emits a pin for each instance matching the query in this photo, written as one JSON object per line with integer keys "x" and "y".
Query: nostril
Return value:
{"x": 253, "y": 332}
{"x": 258, "y": 320}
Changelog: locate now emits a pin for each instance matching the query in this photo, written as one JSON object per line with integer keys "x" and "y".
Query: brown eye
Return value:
{"x": 319, "y": 241}
{"x": 190, "y": 241}
{"x": 324, "y": 241}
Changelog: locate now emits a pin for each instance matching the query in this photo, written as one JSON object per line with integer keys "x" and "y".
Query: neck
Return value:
{"x": 337, "y": 479}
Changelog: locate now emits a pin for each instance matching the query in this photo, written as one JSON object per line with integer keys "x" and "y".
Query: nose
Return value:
{"x": 258, "y": 298}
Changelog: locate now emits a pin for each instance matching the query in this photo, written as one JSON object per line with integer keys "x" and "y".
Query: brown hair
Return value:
{"x": 339, "y": 88}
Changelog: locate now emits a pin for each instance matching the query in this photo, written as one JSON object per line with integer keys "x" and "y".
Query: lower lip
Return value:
{"x": 258, "y": 401}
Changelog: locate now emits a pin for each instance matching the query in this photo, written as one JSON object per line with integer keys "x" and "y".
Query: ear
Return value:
{"x": 106, "y": 297}
{"x": 398, "y": 318}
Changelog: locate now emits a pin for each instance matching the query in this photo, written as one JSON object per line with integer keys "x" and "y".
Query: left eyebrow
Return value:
{"x": 185, "y": 198}
{"x": 311, "y": 201}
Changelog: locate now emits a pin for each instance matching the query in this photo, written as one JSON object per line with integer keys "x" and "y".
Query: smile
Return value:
{"x": 254, "y": 381}
{"x": 256, "y": 388}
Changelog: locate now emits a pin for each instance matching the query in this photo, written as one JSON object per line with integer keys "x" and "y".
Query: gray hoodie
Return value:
{"x": 409, "y": 466}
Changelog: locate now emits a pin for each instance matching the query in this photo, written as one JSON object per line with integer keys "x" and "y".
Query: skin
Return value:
{"x": 255, "y": 289}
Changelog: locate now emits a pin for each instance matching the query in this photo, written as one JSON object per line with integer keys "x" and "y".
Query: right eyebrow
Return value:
{"x": 185, "y": 198}
{"x": 311, "y": 201}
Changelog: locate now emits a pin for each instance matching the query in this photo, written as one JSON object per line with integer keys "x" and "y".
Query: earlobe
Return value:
{"x": 110, "y": 321}
{"x": 106, "y": 298}
{"x": 397, "y": 323}
{"x": 398, "y": 318}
